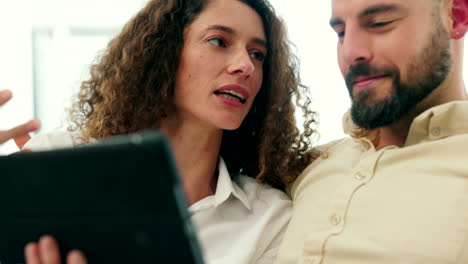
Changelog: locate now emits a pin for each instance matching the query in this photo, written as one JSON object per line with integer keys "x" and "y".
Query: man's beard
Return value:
{"x": 425, "y": 74}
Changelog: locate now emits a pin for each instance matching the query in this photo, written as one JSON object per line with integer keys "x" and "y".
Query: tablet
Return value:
{"x": 119, "y": 201}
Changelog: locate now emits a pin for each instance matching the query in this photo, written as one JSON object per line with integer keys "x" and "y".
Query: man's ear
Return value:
{"x": 459, "y": 18}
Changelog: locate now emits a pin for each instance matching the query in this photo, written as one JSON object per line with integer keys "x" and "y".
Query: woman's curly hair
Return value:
{"x": 131, "y": 88}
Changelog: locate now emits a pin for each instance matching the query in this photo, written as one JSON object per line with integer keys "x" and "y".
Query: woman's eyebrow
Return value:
{"x": 231, "y": 31}
{"x": 221, "y": 28}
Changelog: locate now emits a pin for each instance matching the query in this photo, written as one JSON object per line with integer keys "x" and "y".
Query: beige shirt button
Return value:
{"x": 335, "y": 219}
{"x": 325, "y": 155}
{"x": 359, "y": 176}
{"x": 436, "y": 131}
{"x": 310, "y": 260}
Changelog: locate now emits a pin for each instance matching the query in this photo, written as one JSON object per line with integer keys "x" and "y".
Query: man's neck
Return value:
{"x": 396, "y": 134}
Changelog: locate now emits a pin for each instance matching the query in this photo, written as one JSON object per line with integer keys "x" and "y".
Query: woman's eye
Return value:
{"x": 340, "y": 34}
{"x": 217, "y": 42}
{"x": 257, "y": 56}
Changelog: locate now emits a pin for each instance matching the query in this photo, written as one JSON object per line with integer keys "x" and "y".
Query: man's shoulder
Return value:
{"x": 326, "y": 151}
{"x": 333, "y": 144}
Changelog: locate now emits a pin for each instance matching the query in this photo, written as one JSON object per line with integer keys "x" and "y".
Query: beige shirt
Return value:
{"x": 242, "y": 223}
{"x": 395, "y": 205}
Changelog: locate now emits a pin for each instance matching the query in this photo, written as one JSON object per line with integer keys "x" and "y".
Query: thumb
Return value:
{"x": 21, "y": 140}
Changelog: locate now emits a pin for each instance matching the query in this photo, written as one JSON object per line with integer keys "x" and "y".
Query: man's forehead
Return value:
{"x": 356, "y": 8}
{"x": 357, "y": 4}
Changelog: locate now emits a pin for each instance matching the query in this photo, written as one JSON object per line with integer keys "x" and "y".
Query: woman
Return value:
{"x": 216, "y": 77}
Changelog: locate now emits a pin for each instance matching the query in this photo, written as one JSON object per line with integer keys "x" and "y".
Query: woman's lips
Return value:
{"x": 233, "y": 95}
{"x": 230, "y": 102}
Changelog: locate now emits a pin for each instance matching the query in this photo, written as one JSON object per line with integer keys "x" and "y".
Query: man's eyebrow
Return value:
{"x": 336, "y": 22}
{"x": 231, "y": 31}
{"x": 381, "y": 8}
{"x": 372, "y": 10}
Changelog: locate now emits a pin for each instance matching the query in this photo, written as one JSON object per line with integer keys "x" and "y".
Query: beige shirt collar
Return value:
{"x": 435, "y": 123}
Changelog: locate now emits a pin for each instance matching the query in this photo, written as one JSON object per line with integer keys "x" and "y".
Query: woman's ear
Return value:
{"x": 459, "y": 18}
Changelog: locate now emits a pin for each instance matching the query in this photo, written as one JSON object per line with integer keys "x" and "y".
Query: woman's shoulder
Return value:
{"x": 52, "y": 140}
{"x": 259, "y": 193}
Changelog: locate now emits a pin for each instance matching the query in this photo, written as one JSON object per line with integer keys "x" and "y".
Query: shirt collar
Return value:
{"x": 439, "y": 122}
{"x": 435, "y": 123}
{"x": 226, "y": 186}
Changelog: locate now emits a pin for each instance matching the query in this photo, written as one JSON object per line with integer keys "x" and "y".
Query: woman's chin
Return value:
{"x": 227, "y": 122}
{"x": 229, "y": 125}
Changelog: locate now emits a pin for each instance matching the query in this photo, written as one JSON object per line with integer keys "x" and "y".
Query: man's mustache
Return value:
{"x": 365, "y": 69}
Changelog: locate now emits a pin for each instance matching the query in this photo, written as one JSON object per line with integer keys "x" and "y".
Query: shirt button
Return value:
{"x": 335, "y": 219}
{"x": 435, "y": 131}
{"x": 310, "y": 260}
{"x": 359, "y": 176}
{"x": 325, "y": 155}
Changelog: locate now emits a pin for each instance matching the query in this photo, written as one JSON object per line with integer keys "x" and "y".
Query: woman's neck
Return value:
{"x": 196, "y": 150}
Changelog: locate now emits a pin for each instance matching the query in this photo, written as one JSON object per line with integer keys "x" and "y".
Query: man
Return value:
{"x": 396, "y": 191}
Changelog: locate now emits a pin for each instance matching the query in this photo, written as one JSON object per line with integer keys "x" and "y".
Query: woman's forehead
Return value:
{"x": 233, "y": 14}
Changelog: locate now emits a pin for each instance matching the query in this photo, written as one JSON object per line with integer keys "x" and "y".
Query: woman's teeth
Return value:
{"x": 231, "y": 95}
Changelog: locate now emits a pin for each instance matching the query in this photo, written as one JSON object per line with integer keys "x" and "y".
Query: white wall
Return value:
{"x": 15, "y": 63}
{"x": 67, "y": 39}
{"x": 57, "y": 61}
{"x": 308, "y": 28}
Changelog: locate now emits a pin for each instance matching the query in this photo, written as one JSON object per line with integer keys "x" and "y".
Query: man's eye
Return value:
{"x": 340, "y": 34}
{"x": 217, "y": 42}
{"x": 381, "y": 24}
{"x": 257, "y": 56}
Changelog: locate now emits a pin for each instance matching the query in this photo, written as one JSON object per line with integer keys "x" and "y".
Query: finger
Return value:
{"x": 21, "y": 140}
{"x": 76, "y": 257}
{"x": 19, "y": 131}
{"x": 31, "y": 253}
{"x": 5, "y": 96}
{"x": 48, "y": 250}
{"x": 25, "y": 150}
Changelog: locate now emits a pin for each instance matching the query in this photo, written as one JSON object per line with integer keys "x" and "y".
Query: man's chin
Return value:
{"x": 369, "y": 104}
{"x": 371, "y": 115}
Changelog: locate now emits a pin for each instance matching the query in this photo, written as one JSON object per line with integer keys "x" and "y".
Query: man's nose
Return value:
{"x": 356, "y": 47}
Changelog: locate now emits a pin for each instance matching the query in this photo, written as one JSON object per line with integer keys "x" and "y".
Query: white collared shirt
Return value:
{"x": 243, "y": 223}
